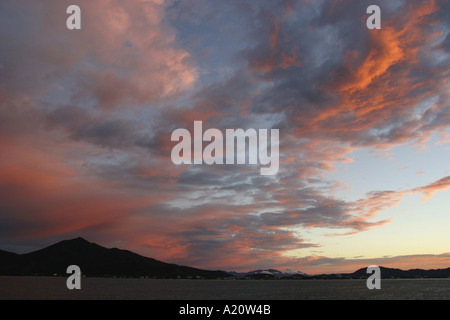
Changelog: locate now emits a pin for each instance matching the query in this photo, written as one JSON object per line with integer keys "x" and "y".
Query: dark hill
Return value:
{"x": 95, "y": 260}
{"x": 6, "y": 254}
{"x": 389, "y": 273}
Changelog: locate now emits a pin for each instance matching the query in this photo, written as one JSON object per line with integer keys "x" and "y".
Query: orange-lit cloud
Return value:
{"x": 429, "y": 190}
{"x": 86, "y": 119}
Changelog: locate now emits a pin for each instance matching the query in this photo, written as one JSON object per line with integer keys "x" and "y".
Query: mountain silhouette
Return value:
{"x": 399, "y": 273}
{"x": 95, "y": 261}
{"x": 386, "y": 273}
{"x": 268, "y": 272}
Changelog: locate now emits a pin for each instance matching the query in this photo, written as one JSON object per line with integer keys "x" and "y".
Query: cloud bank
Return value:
{"x": 86, "y": 119}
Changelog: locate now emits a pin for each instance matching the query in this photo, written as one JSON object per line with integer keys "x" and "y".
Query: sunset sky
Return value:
{"x": 86, "y": 118}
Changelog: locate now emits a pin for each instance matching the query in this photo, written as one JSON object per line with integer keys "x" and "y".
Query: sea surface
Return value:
{"x": 50, "y": 288}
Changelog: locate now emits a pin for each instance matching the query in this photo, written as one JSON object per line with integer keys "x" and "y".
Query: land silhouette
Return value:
{"x": 94, "y": 261}
{"x": 97, "y": 261}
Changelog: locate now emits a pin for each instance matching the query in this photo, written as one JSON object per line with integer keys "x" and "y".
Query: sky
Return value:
{"x": 86, "y": 118}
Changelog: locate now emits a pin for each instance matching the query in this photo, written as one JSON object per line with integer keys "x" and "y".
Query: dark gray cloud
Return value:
{"x": 93, "y": 118}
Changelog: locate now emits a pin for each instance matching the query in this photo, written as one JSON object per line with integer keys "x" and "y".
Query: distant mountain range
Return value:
{"x": 398, "y": 273}
{"x": 269, "y": 272}
{"x": 386, "y": 273}
{"x": 97, "y": 261}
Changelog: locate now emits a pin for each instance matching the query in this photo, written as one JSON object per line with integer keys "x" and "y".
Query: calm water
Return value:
{"x": 136, "y": 289}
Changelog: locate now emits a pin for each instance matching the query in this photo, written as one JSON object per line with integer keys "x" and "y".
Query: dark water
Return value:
{"x": 149, "y": 289}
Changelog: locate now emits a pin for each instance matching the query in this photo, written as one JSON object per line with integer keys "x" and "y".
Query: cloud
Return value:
{"x": 86, "y": 118}
{"x": 124, "y": 54}
{"x": 321, "y": 264}
{"x": 429, "y": 190}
